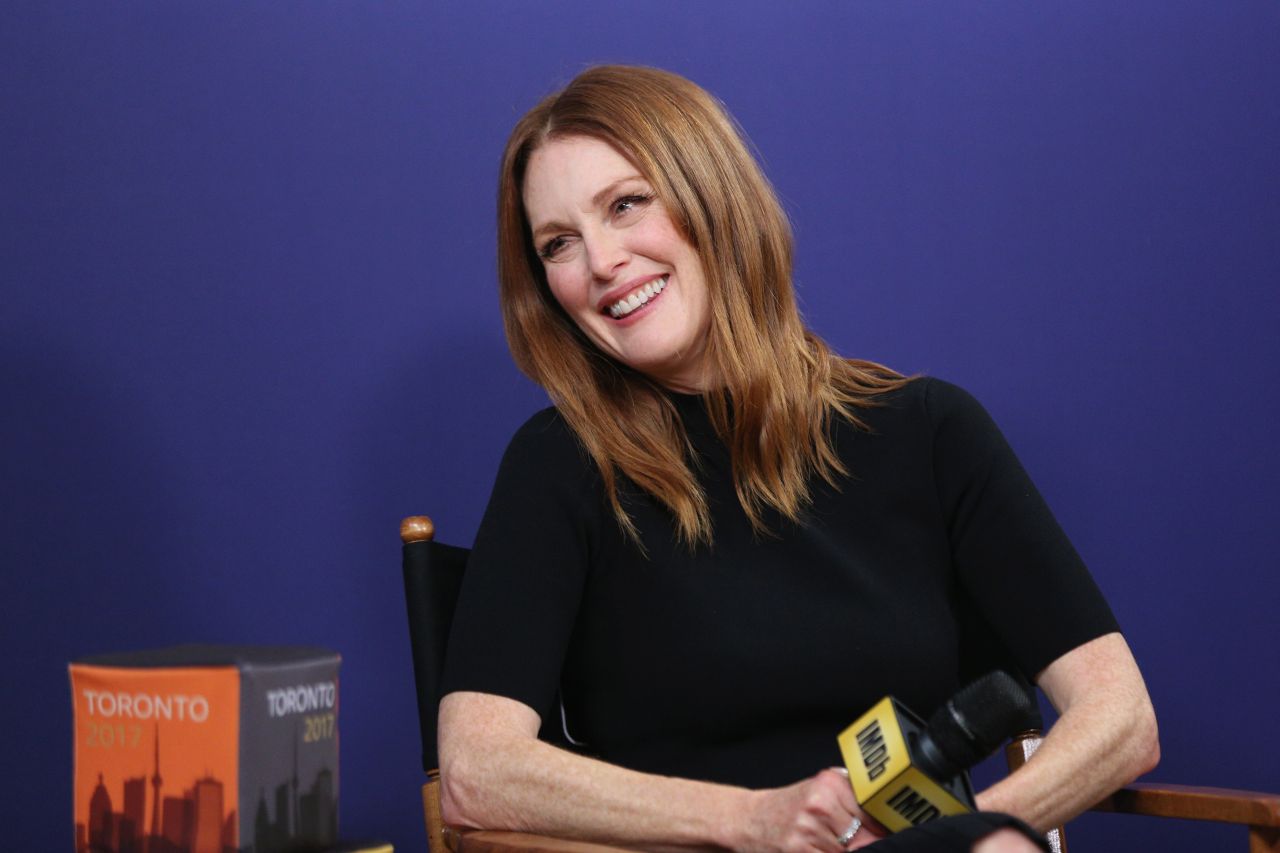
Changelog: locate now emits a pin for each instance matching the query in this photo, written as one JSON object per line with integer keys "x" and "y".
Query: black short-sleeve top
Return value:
{"x": 932, "y": 562}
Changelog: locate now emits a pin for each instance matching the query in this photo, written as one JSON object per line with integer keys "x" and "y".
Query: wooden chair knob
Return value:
{"x": 417, "y": 528}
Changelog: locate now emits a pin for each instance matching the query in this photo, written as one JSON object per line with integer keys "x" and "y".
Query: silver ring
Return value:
{"x": 854, "y": 826}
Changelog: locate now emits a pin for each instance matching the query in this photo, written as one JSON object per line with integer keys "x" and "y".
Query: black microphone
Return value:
{"x": 906, "y": 773}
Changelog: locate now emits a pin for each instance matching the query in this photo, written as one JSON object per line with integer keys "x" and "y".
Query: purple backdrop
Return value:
{"x": 249, "y": 316}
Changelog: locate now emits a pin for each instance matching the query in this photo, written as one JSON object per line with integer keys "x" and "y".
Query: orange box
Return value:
{"x": 206, "y": 749}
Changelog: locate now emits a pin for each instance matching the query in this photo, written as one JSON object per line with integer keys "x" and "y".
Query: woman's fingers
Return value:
{"x": 840, "y": 780}
{"x": 815, "y": 814}
{"x": 868, "y": 830}
{"x": 824, "y": 815}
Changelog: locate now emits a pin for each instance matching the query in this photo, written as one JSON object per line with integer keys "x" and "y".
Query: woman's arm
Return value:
{"x": 1105, "y": 737}
{"x": 496, "y": 774}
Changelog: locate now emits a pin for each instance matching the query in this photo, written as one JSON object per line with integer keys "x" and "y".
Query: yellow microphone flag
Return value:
{"x": 877, "y": 751}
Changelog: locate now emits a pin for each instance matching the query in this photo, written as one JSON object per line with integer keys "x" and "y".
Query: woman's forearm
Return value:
{"x": 1105, "y": 738}
{"x": 496, "y": 776}
{"x": 530, "y": 786}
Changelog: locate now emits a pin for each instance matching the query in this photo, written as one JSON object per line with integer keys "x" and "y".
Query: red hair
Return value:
{"x": 781, "y": 385}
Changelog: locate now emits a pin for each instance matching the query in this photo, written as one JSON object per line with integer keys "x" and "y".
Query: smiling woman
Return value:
{"x": 717, "y": 500}
{"x": 699, "y": 201}
{"x": 616, "y": 263}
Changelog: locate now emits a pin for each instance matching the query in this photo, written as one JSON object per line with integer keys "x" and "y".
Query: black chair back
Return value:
{"x": 432, "y": 578}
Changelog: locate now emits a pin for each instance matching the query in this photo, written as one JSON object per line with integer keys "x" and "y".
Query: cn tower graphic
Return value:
{"x": 156, "y": 782}
{"x": 294, "y": 800}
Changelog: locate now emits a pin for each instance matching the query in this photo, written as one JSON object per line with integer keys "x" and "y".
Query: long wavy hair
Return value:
{"x": 779, "y": 387}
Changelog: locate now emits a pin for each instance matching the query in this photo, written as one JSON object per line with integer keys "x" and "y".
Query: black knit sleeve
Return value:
{"x": 524, "y": 578}
{"x": 1009, "y": 552}
{"x": 954, "y": 834}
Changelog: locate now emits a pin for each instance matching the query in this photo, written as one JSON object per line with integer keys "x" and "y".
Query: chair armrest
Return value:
{"x": 492, "y": 841}
{"x": 1249, "y": 808}
{"x": 1184, "y": 801}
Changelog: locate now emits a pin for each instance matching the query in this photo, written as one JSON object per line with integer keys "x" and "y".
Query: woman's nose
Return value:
{"x": 606, "y": 254}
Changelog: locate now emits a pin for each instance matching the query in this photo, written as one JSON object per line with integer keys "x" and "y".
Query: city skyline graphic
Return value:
{"x": 194, "y": 820}
{"x": 197, "y": 820}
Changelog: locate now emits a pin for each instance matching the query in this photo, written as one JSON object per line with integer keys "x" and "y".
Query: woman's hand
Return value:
{"x": 807, "y": 816}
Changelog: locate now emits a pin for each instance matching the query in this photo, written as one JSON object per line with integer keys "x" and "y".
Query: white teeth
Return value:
{"x": 639, "y": 297}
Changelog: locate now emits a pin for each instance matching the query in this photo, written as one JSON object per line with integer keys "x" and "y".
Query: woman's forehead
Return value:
{"x": 573, "y": 171}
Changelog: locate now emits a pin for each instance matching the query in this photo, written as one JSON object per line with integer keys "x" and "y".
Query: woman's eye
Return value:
{"x": 551, "y": 248}
{"x": 630, "y": 202}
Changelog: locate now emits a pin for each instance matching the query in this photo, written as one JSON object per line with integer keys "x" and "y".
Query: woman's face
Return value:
{"x": 615, "y": 261}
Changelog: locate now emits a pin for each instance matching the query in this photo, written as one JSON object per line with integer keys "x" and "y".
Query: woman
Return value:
{"x": 706, "y": 545}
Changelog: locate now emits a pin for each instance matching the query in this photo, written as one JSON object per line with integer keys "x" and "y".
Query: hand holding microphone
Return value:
{"x": 905, "y": 773}
{"x": 811, "y": 815}
{"x": 900, "y": 772}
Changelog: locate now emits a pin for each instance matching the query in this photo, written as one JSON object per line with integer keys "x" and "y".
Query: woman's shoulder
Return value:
{"x": 929, "y": 397}
{"x": 545, "y": 446}
{"x": 960, "y": 432}
{"x": 924, "y": 409}
{"x": 545, "y": 428}
{"x": 953, "y": 409}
